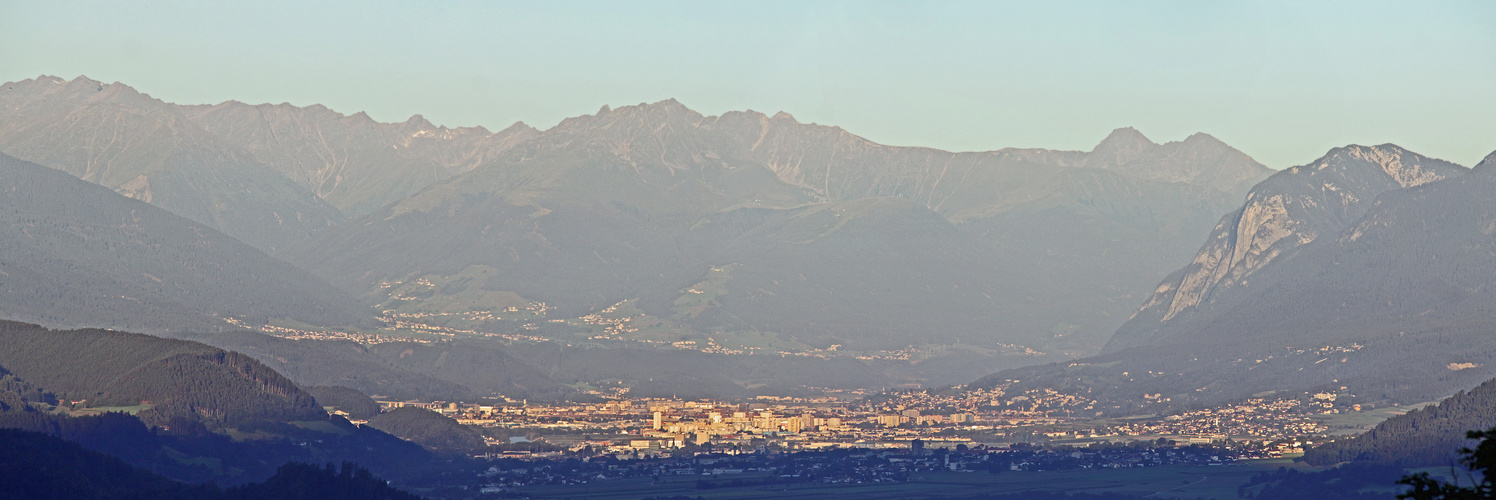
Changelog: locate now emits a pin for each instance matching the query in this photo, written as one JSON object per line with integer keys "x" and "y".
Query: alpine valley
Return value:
{"x": 201, "y": 295}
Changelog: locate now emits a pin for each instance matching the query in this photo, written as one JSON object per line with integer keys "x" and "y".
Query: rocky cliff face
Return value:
{"x": 1282, "y": 214}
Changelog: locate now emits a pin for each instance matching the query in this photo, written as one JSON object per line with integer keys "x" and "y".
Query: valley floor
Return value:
{"x": 1173, "y": 481}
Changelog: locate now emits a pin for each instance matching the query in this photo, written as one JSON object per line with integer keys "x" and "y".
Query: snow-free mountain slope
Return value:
{"x": 74, "y": 254}
{"x": 143, "y": 148}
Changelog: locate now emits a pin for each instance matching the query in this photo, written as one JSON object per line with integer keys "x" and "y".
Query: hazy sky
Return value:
{"x": 1284, "y": 82}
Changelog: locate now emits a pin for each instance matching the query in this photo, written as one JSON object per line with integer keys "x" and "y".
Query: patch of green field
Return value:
{"x": 106, "y": 409}
{"x": 697, "y": 298}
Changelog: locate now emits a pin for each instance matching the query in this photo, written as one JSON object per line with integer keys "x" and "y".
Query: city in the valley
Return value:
{"x": 878, "y": 437}
{"x": 990, "y": 419}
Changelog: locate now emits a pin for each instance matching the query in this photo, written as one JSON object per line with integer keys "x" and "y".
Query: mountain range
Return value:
{"x": 743, "y": 232}
{"x": 749, "y": 224}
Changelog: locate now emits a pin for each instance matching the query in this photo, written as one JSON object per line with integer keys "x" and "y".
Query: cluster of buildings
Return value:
{"x": 1262, "y": 419}
{"x": 642, "y": 428}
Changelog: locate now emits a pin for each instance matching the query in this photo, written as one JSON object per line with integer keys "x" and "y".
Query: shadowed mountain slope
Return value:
{"x": 76, "y": 254}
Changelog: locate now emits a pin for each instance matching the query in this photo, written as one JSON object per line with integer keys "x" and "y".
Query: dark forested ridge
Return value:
{"x": 201, "y": 414}
{"x": 36, "y": 466}
{"x": 74, "y": 254}
{"x": 1429, "y": 436}
{"x": 180, "y": 379}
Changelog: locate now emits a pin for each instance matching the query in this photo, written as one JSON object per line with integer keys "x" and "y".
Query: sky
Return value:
{"x": 1282, "y": 81}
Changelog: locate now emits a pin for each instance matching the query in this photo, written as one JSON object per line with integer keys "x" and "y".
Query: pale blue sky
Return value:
{"x": 1282, "y": 81}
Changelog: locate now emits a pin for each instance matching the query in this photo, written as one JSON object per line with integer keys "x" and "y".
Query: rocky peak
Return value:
{"x": 1290, "y": 209}
{"x": 1204, "y": 140}
{"x": 418, "y": 122}
{"x": 518, "y": 128}
{"x": 1121, "y": 146}
{"x": 1405, "y": 167}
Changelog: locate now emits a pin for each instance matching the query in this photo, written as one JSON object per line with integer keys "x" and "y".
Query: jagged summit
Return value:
{"x": 517, "y": 127}
{"x": 81, "y": 88}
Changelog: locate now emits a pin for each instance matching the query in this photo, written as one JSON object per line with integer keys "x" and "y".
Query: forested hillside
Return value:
{"x": 1429, "y": 436}
{"x": 177, "y": 379}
